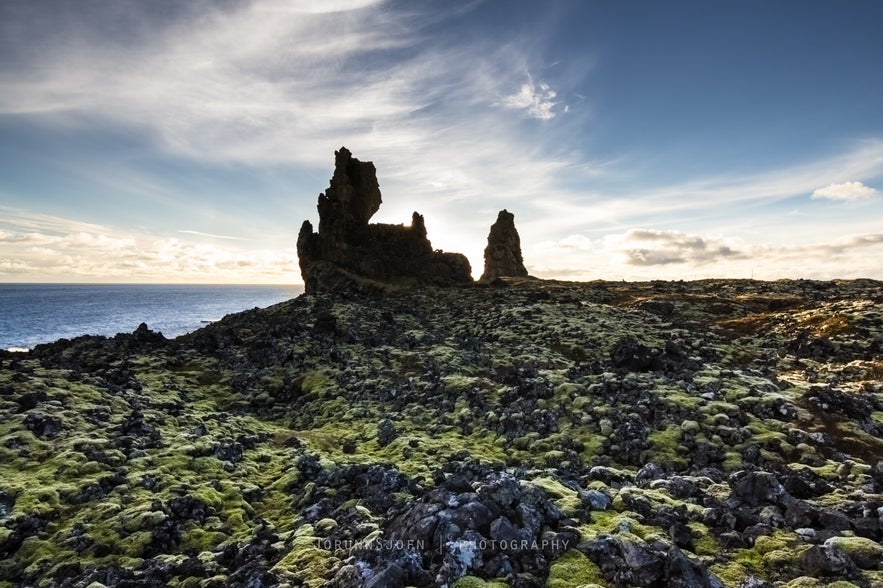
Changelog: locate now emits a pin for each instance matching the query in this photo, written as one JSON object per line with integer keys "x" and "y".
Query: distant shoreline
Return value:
{"x": 33, "y": 314}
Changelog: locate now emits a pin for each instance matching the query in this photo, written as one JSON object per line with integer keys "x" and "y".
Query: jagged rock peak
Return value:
{"x": 348, "y": 253}
{"x": 352, "y": 198}
{"x": 502, "y": 256}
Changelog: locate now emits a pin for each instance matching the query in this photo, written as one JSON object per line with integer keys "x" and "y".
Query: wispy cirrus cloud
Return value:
{"x": 211, "y": 235}
{"x": 272, "y": 83}
{"x": 268, "y": 83}
{"x": 604, "y": 211}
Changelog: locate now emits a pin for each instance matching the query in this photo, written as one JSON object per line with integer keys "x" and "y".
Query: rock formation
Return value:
{"x": 348, "y": 253}
{"x": 502, "y": 256}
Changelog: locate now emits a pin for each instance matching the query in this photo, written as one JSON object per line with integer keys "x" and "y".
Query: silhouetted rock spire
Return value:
{"x": 349, "y": 253}
{"x": 502, "y": 256}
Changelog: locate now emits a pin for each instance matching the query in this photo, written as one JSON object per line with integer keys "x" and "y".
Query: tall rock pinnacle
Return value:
{"x": 502, "y": 256}
{"x": 349, "y": 253}
{"x": 350, "y": 201}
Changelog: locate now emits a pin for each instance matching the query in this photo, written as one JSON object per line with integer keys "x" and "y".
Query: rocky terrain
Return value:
{"x": 524, "y": 433}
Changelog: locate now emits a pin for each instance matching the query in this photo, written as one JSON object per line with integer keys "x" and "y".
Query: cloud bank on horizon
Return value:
{"x": 166, "y": 141}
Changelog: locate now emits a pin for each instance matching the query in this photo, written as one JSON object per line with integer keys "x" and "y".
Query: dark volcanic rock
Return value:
{"x": 141, "y": 339}
{"x": 539, "y": 434}
{"x": 825, "y": 560}
{"x": 349, "y": 254}
{"x": 43, "y": 425}
{"x": 386, "y": 432}
{"x": 757, "y": 488}
{"x": 502, "y": 256}
{"x": 498, "y": 526}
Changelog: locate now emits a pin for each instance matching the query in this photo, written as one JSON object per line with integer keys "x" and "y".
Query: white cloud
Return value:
{"x": 313, "y": 7}
{"x": 647, "y": 247}
{"x": 67, "y": 252}
{"x": 845, "y": 192}
{"x": 265, "y": 84}
{"x": 646, "y": 254}
{"x": 275, "y": 82}
{"x": 536, "y": 99}
{"x": 560, "y": 212}
{"x": 844, "y": 246}
{"x": 567, "y": 244}
{"x": 270, "y": 82}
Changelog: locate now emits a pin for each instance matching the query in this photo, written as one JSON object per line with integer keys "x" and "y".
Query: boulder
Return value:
{"x": 350, "y": 254}
{"x": 502, "y": 256}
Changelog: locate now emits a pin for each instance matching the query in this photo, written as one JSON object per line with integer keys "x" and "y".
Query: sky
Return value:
{"x": 167, "y": 141}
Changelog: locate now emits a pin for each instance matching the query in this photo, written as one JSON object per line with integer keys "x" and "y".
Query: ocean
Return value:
{"x": 31, "y": 314}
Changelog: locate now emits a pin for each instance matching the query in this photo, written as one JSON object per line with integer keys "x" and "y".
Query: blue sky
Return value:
{"x": 154, "y": 141}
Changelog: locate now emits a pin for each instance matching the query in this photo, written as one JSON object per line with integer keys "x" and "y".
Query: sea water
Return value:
{"x": 31, "y": 314}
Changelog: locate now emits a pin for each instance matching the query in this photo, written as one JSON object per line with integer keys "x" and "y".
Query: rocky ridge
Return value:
{"x": 530, "y": 433}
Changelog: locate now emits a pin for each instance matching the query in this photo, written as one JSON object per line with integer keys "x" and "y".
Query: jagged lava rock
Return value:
{"x": 502, "y": 256}
{"x": 349, "y": 253}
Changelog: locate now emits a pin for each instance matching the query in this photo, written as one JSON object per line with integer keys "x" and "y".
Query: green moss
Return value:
{"x": 428, "y": 450}
{"x": 208, "y": 496}
{"x": 515, "y": 327}
{"x": 663, "y": 445}
{"x": 593, "y": 445}
{"x": 36, "y": 499}
{"x": 609, "y": 522}
{"x": 144, "y": 519}
{"x": 473, "y": 582}
{"x": 704, "y": 544}
{"x": 730, "y": 573}
{"x": 325, "y": 526}
{"x": 732, "y": 461}
{"x": 769, "y": 552}
{"x": 41, "y": 554}
{"x": 566, "y": 498}
{"x": 675, "y": 397}
{"x": 804, "y": 582}
{"x": 305, "y": 561}
{"x": 456, "y": 383}
{"x": 199, "y": 540}
{"x": 574, "y": 569}
{"x": 314, "y": 381}
{"x": 554, "y": 458}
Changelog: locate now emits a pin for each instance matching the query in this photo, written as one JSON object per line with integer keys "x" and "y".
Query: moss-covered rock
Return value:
{"x": 574, "y": 569}
{"x": 249, "y": 451}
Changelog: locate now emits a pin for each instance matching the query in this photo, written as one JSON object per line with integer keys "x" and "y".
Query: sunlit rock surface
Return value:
{"x": 713, "y": 433}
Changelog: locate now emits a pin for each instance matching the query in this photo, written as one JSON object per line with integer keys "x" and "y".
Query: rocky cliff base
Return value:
{"x": 535, "y": 433}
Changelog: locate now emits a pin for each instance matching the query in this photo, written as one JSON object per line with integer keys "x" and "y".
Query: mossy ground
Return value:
{"x": 192, "y": 452}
